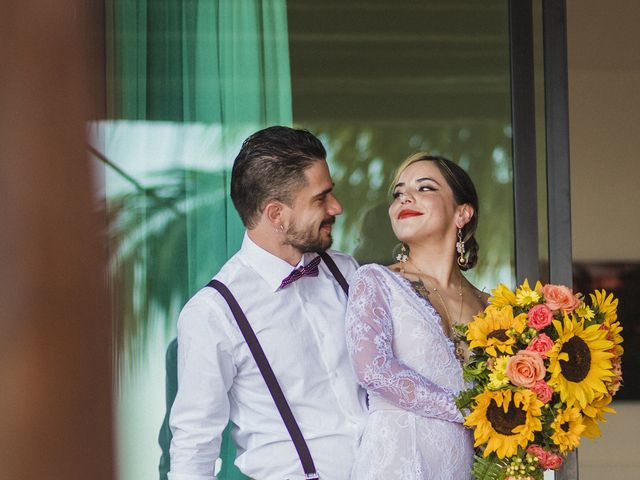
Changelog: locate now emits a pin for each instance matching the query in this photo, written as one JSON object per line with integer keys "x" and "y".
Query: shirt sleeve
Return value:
{"x": 205, "y": 374}
{"x": 369, "y": 333}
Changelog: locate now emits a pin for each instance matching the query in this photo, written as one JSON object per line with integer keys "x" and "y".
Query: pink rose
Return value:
{"x": 541, "y": 344}
{"x": 546, "y": 460}
{"x": 552, "y": 462}
{"x": 543, "y": 391}
{"x": 525, "y": 368}
{"x": 559, "y": 297}
{"x": 539, "y": 317}
{"x": 537, "y": 451}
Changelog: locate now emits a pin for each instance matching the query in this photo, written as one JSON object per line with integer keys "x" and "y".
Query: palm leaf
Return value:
{"x": 158, "y": 257}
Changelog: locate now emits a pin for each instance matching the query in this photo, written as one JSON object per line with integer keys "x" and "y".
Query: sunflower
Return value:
{"x": 613, "y": 333}
{"x": 525, "y": 296}
{"x": 594, "y": 414}
{"x": 567, "y": 428}
{"x": 505, "y": 420}
{"x": 579, "y": 361}
{"x": 502, "y": 296}
{"x": 605, "y": 304}
{"x": 495, "y": 329}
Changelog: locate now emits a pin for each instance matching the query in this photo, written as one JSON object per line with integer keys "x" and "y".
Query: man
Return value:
{"x": 283, "y": 191}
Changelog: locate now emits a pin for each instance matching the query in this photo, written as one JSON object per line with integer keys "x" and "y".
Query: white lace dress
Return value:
{"x": 408, "y": 366}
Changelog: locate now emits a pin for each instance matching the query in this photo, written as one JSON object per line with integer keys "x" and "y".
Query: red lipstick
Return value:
{"x": 408, "y": 213}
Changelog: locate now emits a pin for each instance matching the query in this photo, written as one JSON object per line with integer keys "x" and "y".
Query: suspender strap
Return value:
{"x": 270, "y": 379}
{"x": 335, "y": 271}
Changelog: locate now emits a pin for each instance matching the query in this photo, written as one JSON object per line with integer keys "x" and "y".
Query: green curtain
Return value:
{"x": 187, "y": 81}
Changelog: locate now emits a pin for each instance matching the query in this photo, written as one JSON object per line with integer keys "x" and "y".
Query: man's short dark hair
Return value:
{"x": 270, "y": 166}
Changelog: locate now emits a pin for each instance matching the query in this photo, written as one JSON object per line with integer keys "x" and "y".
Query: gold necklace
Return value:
{"x": 444, "y": 304}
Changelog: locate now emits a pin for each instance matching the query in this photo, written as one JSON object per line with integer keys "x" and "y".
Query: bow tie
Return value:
{"x": 309, "y": 270}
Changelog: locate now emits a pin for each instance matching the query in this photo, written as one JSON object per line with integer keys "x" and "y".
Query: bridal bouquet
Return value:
{"x": 544, "y": 365}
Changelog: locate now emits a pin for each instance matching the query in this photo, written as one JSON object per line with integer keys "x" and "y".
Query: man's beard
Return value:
{"x": 308, "y": 241}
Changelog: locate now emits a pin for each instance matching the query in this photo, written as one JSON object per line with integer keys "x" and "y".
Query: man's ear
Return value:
{"x": 464, "y": 215}
{"x": 273, "y": 213}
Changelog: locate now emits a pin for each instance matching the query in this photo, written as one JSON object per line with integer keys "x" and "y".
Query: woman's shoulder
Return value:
{"x": 484, "y": 297}
{"x": 377, "y": 274}
{"x": 374, "y": 269}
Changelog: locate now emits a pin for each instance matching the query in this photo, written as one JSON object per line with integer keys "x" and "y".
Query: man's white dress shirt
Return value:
{"x": 301, "y": 329}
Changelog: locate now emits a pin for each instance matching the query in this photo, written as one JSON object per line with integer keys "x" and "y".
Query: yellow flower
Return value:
{"x": 567, "y": 428}
{"x": 605, "y": 304}
{"x": 501, "y": 296}
{"x": 495, "y": 329}
{"x": 579, "y": 361}
{"x": 505, "y": 420}
{"x": 525, "y": 296}
{"x": 613, "y": 333}
{"x": 584, "y": 312}
{"x": 498, "y": 376}
{"x": 594, "y": 414}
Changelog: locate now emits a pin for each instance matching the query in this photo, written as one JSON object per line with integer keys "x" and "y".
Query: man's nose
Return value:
{"x": 334, "y": 207}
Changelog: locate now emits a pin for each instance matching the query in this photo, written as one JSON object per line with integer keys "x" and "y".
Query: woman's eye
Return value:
{"x": 396, "y": 194}
{"x": 425, "y": 188}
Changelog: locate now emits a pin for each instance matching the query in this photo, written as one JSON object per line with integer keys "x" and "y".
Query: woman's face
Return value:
{"x": 423, "y": 206}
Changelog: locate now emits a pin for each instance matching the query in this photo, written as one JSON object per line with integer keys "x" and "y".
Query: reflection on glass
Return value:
{"x": 363, "y": 161}
{"x": 170, "y": 225}
{"x": 382, "y": 82}
{"x": 186, "y": 83}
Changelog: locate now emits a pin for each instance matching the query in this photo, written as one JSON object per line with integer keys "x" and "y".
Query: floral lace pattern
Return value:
{"x": 408, "y": 366}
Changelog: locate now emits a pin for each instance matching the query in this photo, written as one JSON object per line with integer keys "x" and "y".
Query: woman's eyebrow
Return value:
{"x": 428, "y": 179}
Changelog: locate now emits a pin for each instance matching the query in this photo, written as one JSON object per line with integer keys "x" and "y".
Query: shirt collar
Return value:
{"x": 271, "y": 268}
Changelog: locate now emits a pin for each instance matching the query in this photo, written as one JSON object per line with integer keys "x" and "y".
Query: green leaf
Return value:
{"x": 465, "y": 398}
{"x": 489, "y": 468}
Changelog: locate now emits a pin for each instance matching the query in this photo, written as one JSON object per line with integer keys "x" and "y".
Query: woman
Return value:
{"x": 400, "y": 323}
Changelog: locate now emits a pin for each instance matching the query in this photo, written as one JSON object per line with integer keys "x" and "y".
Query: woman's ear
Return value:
{"x": 464, "y": 215}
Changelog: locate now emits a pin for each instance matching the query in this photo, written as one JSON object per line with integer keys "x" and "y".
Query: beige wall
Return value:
{"x": 604, "y": 115}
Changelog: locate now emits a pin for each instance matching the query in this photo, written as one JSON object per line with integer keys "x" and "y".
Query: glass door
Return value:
{"x": 376, "y": 81}
{"x": 381, "y": 80}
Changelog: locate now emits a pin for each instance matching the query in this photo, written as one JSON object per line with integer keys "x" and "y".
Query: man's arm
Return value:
{"x": 205, "y": 374}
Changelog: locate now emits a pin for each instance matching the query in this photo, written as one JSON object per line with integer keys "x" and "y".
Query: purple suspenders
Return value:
{"x": 267, "y": 372}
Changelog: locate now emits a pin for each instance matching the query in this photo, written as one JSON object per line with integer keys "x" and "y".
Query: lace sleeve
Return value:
{"x": 369, "y": 333}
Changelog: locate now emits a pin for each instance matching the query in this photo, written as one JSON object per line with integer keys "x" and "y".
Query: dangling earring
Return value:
{"x": 402, "y": 257}
{"x": 462, "y": 260}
